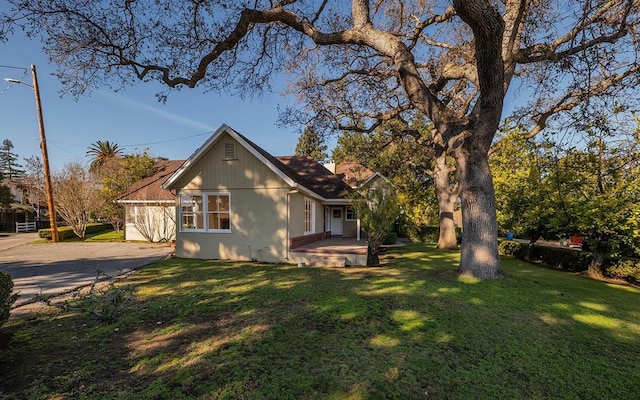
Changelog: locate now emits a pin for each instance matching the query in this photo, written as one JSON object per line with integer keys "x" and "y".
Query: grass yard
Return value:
{"x": 411, "y": 329}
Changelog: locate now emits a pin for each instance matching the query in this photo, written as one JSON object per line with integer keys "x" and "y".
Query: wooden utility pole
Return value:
{"x": 45, "y": 159}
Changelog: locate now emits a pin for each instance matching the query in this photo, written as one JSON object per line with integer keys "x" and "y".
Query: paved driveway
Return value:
{"x": 56, "y": 268}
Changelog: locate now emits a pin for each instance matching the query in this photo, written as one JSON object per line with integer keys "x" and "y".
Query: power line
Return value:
{"x": 12, "y": 67}
{"x": 168, "y": 141}
{"x": 138, "y": 144}
{"x": 13, "y": 83}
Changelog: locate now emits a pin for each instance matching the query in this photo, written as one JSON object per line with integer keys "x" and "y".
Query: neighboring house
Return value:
{"x": 236, "y": 201}
{"x": 150, "y": 212}
{"x": 358, "y": 176}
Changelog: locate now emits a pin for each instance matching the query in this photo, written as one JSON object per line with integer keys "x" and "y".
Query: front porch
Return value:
{"x": 331, "y": 252}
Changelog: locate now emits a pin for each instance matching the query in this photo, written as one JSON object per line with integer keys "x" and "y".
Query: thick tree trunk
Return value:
{"x": 479, "y": 251}
{"x": 447, "y": 196}
{"x": 373, "y": 258}
{"x": 447, "y": 238}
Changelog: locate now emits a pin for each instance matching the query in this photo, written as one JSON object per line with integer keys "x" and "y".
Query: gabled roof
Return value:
{"x": 356, "y": 175}
{"x": 302, "y": 173}
{"x": 149, "y": 189}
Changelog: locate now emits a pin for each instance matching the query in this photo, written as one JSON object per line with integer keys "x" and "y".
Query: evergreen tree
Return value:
{"x": 9, "y": 165}
{"x": 311, "y": 144}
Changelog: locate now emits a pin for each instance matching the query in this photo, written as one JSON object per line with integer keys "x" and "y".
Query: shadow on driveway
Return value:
{"x": 52, "y": 269}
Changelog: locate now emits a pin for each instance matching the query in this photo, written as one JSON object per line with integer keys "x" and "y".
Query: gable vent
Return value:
{"x": 230, "y": 151}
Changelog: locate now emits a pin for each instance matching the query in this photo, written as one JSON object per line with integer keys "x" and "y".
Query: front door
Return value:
{"x": 336, "y": 221}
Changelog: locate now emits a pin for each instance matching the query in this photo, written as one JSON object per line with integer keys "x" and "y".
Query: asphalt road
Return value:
{"x": 52, "y": 269}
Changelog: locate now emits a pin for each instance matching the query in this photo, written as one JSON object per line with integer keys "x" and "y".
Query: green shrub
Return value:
{"x": 629, "y": 270}
{"x": 391, "y": 238}
{"x": 6, "y": 297}
{"x": 567, "y": 259}
{"x": 509, "y": 248}
{"x": 66, "y": 232}
{"x": 559, "y": 257}
{"x": 426, "y": 233}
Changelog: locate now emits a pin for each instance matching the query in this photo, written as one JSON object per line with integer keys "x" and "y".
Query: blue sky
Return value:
{"x": 132, "y": 118}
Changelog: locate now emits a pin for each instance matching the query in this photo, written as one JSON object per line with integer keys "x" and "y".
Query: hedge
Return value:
{"x": 426, "y": 233}
{"x": 559, "y": 257}
{"x": 66, "y": 232}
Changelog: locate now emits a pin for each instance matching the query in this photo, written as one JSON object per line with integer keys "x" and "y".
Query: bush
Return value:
{"x": 426, "y": 233}
{"x": 567, "y": 259}
{"x": 509, "y": 248}
{"x": 391, "y": 238}
{"x": 6, "y": 297}
{"x": 66, "y": 232}
{"x": 628, "y": 270}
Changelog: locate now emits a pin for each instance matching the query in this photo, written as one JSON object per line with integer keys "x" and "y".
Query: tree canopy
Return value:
{"x": 101, "y": 152}
{"x": 311, "y": 144}
{"x": 566, "y": 187}
{"x": 452, "y": 62}
{"x": 116, "y": 175}
{"x": 10, "y": 168}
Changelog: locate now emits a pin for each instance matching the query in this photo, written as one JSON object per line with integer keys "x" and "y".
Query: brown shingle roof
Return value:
{"x": 316, "y": 177}
{"x": 307, "y": 172}
{"x": 353, "y": 173}
{"x": 150, "y": 188}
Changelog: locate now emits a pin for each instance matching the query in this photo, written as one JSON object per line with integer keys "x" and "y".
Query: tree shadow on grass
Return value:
{"x": 203, "y": 329}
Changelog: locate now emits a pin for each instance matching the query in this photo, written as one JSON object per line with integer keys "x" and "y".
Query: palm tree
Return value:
{"x": 101, "y": 152}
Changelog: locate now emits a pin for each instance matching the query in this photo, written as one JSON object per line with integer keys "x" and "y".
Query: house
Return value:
{"x": 150, "y": 212}
{"x": 358, "y": 176}
{"x": 236, "y": 201}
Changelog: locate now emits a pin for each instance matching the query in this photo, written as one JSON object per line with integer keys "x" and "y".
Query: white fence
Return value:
{"x": 25, "y": 226}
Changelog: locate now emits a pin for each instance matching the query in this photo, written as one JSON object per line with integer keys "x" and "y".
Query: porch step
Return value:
{"x": 325, "y": 261}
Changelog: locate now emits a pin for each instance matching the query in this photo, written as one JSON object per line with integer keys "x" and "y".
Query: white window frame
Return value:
{"x": 309, "y": 216}
{"x": 206, "y": 214}
{"x": 350, "y": 210}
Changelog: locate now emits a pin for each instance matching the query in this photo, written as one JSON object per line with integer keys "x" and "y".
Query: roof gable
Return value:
{"x": 357, "y": 175}
{"x": 256, "y": 151}
{"x": 304, "y": 173}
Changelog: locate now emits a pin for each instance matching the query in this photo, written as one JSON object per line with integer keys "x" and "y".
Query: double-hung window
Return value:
{"x": 205, "y": 212}
{"x": 351, "y": 214}
{"x": 218, "y": 212}
{"x": 309, "y": 216}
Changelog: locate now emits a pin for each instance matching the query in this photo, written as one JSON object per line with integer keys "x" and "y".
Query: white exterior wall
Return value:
{"x": 156, "y": 221}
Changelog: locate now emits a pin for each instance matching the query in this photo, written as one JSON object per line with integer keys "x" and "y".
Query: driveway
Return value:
{"x": 51, "y": 269}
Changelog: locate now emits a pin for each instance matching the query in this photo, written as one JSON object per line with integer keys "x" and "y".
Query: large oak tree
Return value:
{"x": 432, "y": 51}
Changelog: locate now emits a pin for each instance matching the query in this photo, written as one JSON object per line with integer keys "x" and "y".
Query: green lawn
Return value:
{"x": 408, "y": 330}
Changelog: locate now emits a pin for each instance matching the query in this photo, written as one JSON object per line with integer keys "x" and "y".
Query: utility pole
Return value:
{"x": 45, "y": 159}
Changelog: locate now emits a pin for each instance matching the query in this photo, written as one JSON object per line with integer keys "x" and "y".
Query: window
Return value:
{"x": 218, "y": 211}
{"x": 309, "y": 216}
{"x": 351, "y": 214}
{"x": 230, "y": 151}
{"x": 208, "y": 212}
